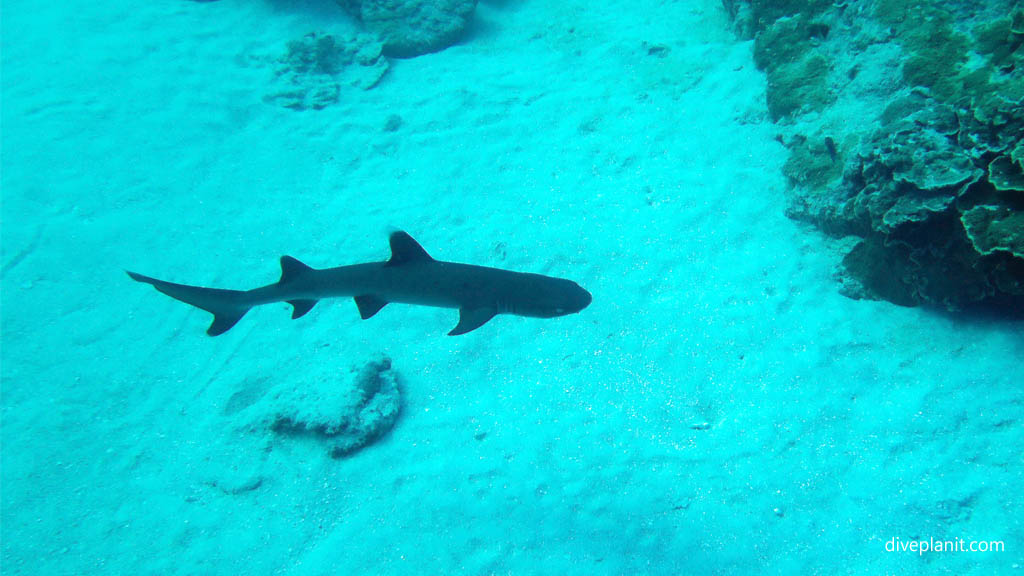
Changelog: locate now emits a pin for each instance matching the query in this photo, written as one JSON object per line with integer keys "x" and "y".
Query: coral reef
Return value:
{"x": 413, "y": 27}
{"x": 314, "y": 69}
{"x": 926, "y": 166}
{"x": 345, "y": 415}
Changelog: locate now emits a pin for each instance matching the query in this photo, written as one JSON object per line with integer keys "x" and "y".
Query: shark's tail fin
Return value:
{"x": 227, "y": 306}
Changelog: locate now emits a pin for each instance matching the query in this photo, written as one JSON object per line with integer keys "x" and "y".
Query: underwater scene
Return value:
{"x": 493, "y": 287}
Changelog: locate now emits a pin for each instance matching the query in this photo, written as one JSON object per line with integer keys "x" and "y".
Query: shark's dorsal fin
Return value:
{"x": 472, "y": 318}
{"x": 369, "y": 305}
{"x": 405, "y": 250}
{"x": 291, "y": 269}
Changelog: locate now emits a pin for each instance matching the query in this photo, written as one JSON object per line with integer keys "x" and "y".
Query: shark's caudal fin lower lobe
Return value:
{"x": 226, "y": 306}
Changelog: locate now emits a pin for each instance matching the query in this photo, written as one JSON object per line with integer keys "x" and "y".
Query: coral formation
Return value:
{"x": 413, "y": 27}
{"x": 813, "y": 162}
{"x": 994, "y": 229}
{"x": 933, "y": 187}
{"x": 410, "y": 28}
{"x": 314, "y": 69}
{"x": 346, "y": 416}
{"x": 797, "y": 76}
{"x": 1005, "y": 173}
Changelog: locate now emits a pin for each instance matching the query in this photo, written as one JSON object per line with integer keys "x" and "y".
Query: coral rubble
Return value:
{"x": 314, "y": 69}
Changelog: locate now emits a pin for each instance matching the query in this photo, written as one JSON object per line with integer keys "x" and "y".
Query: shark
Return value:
{"x": 410, "y": 276}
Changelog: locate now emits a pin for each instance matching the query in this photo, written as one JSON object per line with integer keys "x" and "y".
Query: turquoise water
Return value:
{"x": 719, "y": 408}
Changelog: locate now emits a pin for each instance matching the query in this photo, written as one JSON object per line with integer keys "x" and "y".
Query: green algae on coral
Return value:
{"x": 911, "y": 208}
{"x": 1017, "y": 154}
{"x": 998, "y": 40}
{"x": 924, "y": 158}
{"x": 786, "y": 41}
{"x": 799, "y": 86}
{"x": 936, "y": 52}
{"x": 1017, "y": 22}
{"x": 797, "y": 75}
{"x": 995, "y": 229}
{"x": 1006, "y": 175}
{"x": 814, "y": 162}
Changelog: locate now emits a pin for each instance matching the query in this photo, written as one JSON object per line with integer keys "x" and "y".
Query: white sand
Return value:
{"x": 718, "y": 409}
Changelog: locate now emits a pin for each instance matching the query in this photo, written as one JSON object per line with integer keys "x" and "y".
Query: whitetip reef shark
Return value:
{"x": 411, "y": 276}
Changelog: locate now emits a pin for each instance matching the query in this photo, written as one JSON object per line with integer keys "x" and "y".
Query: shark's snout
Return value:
{"x": 579, "y": 300}
{"x": 585, "y": 299}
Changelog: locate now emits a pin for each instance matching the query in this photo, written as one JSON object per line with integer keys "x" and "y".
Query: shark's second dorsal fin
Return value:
{"x": 291, "y": 269}
{"x": 405, "y": 250}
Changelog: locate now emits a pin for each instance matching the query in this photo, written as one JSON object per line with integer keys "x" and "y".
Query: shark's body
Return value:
{"x": 411, "y": 276}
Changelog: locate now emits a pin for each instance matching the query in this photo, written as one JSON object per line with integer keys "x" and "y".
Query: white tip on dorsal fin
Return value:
{"x": 405, "y": 250}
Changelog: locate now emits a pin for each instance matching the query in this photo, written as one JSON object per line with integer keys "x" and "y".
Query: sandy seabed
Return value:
{"x": 718, "y": 409}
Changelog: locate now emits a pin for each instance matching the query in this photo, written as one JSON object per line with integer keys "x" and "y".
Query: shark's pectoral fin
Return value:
{"x": 369, "y": 305}
{"x": 301, "y": 307}
{"x": 472, "y": 318}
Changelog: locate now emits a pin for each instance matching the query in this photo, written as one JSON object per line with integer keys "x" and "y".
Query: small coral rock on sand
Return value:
{"x": 345, "y": 413}
{"x": 413, "y": 27}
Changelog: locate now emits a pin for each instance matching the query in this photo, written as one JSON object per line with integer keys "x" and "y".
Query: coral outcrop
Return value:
{"x": 905, "y": 124}
{"x": 413, "y": 27}
{"x": 410, "y": 28}
{"x": 345, "y": 413}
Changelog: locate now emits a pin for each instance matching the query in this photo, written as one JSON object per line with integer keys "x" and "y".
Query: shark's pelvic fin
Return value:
{"x": 405, "y": 250}
{"x": 226, "y": 306}
{"x": 300, "y": 307}
{"x": 472, "y": 318}
{"x": 369, "y": 305}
